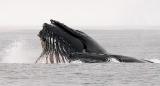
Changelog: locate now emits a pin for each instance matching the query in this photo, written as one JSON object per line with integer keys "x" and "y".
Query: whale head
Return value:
{"x": 57, "y": 43}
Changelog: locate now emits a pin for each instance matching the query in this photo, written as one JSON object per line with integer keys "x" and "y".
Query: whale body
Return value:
{"x": 62, "y": 44}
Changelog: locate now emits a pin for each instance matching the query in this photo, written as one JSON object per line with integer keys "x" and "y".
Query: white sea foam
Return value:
{"x": 114, "y": 60}
{"x": 76, "y": 62}
{"x": 154, "y": 60}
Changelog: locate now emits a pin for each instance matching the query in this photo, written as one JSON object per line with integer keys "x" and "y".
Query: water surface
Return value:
{"x": 24, "y": 47}
{"x": 100, "y": 74}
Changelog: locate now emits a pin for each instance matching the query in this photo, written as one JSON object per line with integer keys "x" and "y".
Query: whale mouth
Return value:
{"x": 55, "y": 47}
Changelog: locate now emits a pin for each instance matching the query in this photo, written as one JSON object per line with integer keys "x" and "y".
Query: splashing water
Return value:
{"x": 14, "y": 53}
{"x": 154, "y": 60}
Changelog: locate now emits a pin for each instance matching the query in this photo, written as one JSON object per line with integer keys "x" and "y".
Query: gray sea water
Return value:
{"x": 23, "y": 46}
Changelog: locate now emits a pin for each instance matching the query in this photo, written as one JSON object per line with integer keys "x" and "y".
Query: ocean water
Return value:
{"x": 23, "y": 46}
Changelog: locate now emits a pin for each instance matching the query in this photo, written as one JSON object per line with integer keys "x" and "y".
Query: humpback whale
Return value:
{"x": 62, "y": 44}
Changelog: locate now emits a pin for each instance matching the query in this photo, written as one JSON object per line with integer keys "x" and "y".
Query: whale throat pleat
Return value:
{"x": 55, "y": 50}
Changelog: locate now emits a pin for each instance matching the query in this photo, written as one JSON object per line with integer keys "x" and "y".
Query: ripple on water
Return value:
{"x": 98, "y": 74}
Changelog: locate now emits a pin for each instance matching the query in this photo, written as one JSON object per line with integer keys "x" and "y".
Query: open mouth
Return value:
{"x": 55, "y": 48}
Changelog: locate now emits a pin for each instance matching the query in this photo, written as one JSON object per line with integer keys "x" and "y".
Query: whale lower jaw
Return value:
{"x": 55, "y": 50}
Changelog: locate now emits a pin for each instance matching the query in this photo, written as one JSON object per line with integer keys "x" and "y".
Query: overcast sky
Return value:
{"x": 80, "y": 12}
